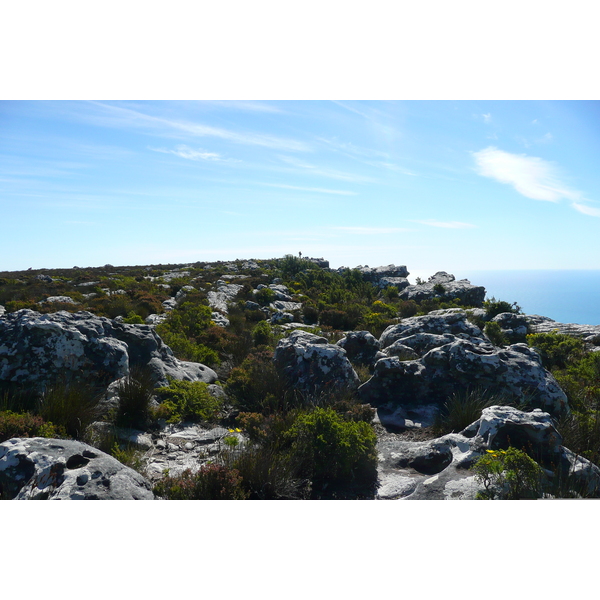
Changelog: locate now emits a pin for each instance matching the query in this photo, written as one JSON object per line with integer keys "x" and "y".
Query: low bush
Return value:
{"x": 188, "y": 401}
{"x": 26, "y": 425}
{"x": 494, "y": 332}
{"x": 135, "y": 395}
{"x": 338, "y": 456}
{"x": 212, "y": 482}
{"x": 494, "y": 307}
{"x": 462, "y": 409}
{"x": 557, "y": 350}
{"x": 508, "y": 474}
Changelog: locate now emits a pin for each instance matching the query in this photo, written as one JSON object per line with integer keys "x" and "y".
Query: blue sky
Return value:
{"x": 435, "y": 185}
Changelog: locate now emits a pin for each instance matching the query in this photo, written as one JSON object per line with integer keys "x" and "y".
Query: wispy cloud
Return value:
{"x": 586, "y": 210}
{"x": 447, "y": 224}
{"x": 370, "y": 230}
{"x": 487, "y": 118}
{"x": 323, "y": 171}
{"x": 119, "y": 116}
{"x": 310, "y": 189}
{"x": 191, "y": 154}
{"x": 531, "y": 176}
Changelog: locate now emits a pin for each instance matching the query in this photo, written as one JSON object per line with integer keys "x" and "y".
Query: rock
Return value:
{"x": 399, "y": 282}
{"x": 286, "y": 306}
{"x": 313, "y": 365}
{"x": 62, "y": 299}
{"x": 440, "y": 469}
{"x": 376, "y": 274}
{"x": 2, "y": 310}
{"x": 438, "y": 322}
{"x": 48, "y": 469}
{"x": 281, "y": 317}
{"x": 44, "y": 278}
{"x": 539, "y": 324}
{"x": 456, "y": 356}
{"x": 219, "y": 319}
{"x": 37, "y": 349}
{"x": 444, "y": 286}
{"x": 513, "y": 326}
{"x": 360, "y": 346}
{"x": 226, "y": 292}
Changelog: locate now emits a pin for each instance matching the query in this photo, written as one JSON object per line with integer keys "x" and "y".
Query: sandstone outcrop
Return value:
{"x": 455, "y": 356}
{"x": 444, "y": 286}
{"x": 38, "y": 349}
{"x": 48, "y": 469}
{"x": 313, "y": 365}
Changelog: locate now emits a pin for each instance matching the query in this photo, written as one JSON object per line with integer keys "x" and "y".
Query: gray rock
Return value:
{"x": 313, "y": 365}
{"x": 226, "y": 292}
{"x": 48, "y": 469}
{"x": 37, "y": 349}
{"x": 513, "y": 326}
{"x": 444, "y": 286}
{"x": 456, "y": 356}
{"x": 360, "y": 346}
{"x": 62, "y": 299}
{"x": 539, "y": 324}
{"x": 376, "y": 274}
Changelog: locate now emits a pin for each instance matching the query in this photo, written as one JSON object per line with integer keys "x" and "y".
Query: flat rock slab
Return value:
{"x": 49, "y": 469}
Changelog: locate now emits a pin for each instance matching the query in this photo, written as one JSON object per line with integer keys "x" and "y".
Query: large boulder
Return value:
{"x": 48, "y": 469}
{"x": 444, "y": 286}
{"x": 313, "y": 365}
{"x": 38, "y": 349}
{"x": 440, "y": 469}
{"x": 454, "y": 355}
{"x": 360, "y": 346}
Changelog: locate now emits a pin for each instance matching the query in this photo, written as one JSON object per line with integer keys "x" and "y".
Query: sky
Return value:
{"x": 433, "y": 185}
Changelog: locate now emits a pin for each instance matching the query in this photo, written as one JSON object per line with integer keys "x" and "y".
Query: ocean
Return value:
{"x": 565, "y": 296}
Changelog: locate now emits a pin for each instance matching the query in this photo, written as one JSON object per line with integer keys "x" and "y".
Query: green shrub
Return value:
{"x": 556, "y": 349}
{"x": 255, "y": 386}
{"x": 71, "y": 405}
{"x": 581, "y": 434}
{"x": 189, "y": 401}
{"x": 262, "y": 335}
{"x": 333, "y": 452}
{"x": 462, "y": 409}
{"x": 133, "y": 319}
{"x": 212, "y": 482}
{"x": 265, "y": 296}
{"x": 494, "y": 307}
{"x": 186, "y": 349}
{"x": 135, "y": 394}
{"x": 26, "y": 425}
{"x": 495, "y": 335}
{"x": 508, "y": 474}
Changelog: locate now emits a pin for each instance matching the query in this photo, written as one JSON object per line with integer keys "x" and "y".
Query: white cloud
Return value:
{"x": 447, "y": 224}
{"x": 191, "y": 154}
{"x": 586, "y": 210}
{"x": 370, "y": 230}
{"x": 309, "y": 189}
{"x": 487, "y": 118}
{"x": 531, "y": 176}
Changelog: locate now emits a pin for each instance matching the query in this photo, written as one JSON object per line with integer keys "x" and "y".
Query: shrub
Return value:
{"x": 494, "y": 307}
{"x": 408, "y": 308}
{"x": 255, "y": 386}
{"x": 26, "y": 425}
{"x": 581, "y": 434}
{"x": 212, "y": 482}
{"x": 71, "y": 405}
{"x": 135, "y": 394}
{"x": 509, "y": 474}
{"x": 264, "y": 296}
{"x": 133, "y": 319}
{"x": 462, "y": 409}
{"x": 189, "y": 401}
{"x": 495, "y": 335}
{"x": 334, "y": 452}
{"x": 262, "y": 334}
{"x": 556, "y": 349}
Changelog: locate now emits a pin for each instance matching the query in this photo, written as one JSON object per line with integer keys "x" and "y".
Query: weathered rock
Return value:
{"x": 513, "y": 326}
{"x": 37, "y": 349}
{"x": 60, "y": 299}
{"x": 280, "y": 317}
{"x": 376, "y": 274}
{"x": 539, "y": 324}
{"x": 226, "y": 292}
{"x": 48, "y": 469}
{"x": 456, "y": 356}
{"x": 444, "y": 286}
{"x": 438, "y": 322}
{"x": 399, "y": 282}
{"x": 360, "y": 346}
{"x": 313, "y": 365}
{"x": 440, "y": 469}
